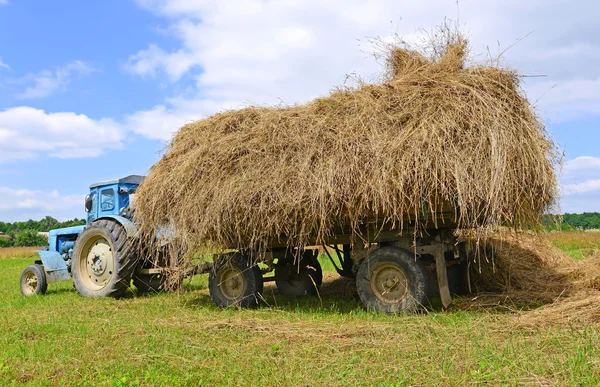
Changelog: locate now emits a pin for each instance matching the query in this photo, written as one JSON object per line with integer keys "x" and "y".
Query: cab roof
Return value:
{"x": 131, "y": 179}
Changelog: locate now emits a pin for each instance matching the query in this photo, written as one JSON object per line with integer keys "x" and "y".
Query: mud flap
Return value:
{"x": 442, "y": 277}
{"x": 55, "y": 266}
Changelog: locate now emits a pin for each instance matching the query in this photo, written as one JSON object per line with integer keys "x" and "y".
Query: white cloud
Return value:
{"x": 585, "y": 187}
{"x": 162, "y": 121}
{"x": 260, "y": 52}
{"x": 26, "y": 132}
{"x": 148, "y": 62}
{"x": 22, "y": 204}
{"x": 567, "y": 100}
{"x": 580, "y": 181}
{"x": 580, "y": 170}
{"x": 47, "y": 82}
{"x": 2, "y": 64}
{"x": 3, "y": 2}
{"x": 158, "y": 123}
{"x": 583, "y": 163}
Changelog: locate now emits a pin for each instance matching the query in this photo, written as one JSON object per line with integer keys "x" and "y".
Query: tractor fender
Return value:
{"x": 54, "y": 265}
{"x": 127, "y": 224}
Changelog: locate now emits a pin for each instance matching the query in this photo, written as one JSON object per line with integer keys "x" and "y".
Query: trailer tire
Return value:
{"x": 390, "y": 280}
{"x": 234, "y": 281}
{"x": 108, "y": 272}
{"x": 33, "y": 280}
{"x": 149, "y": 283}
{"x": 292, "y": 280}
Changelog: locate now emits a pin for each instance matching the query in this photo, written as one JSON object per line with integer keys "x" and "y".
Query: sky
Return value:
{"x": 93, "y": 90}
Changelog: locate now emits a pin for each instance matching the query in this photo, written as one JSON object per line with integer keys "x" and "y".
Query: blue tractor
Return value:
{"x": 100, "y": 256}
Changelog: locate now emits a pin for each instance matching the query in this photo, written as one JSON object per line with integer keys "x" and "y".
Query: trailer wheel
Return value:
{"x": 391, "y": 281}
{"x": 234, "y": 281}
{"x": 292, "y": 280}
{"x": 146, "y": 283}
{"x": 33, "y": 280}
{"x": 102, "y": 262}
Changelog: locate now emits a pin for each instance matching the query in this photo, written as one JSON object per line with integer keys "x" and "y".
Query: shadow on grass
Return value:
{"x": 60, "y": 291}
{"x": 336, "y": 295}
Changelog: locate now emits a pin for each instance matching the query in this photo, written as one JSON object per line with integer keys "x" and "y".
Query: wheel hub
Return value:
{"x": 97, "y": 263}
{"x": 232, "y": 283}
{"x": 389, "y": 283}
{"x": 31, "y": 282}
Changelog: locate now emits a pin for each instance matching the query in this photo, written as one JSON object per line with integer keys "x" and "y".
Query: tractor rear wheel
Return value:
{"x": 235, "y": 281}
{"x": 33, "y": 280}
{"x": 103, "y": 261}
{"x": 390, "y": 280}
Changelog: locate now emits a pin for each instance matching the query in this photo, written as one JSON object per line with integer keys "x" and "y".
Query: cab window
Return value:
{"x": 107, "y": 200}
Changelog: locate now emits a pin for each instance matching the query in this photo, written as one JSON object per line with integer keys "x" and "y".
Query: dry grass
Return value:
{"x": 18, "y": 252}
{"x": 435, "y": 135}
{"x": 528, "y": 271}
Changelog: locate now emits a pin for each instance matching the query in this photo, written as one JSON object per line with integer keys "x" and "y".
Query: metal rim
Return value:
{"x": 96, "y": 263}
{"x": 389, "y": 283}
{"x": 232, "y": 283}
{"x": 294, "y": 278}
{"x": 30, "y": 282}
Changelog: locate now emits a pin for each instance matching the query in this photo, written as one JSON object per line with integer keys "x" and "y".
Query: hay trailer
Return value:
{"x": 97, "y": 256}
{"x": 394, "y": 272}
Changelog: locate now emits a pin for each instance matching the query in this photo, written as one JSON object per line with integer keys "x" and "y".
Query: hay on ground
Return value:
{"x": 524, "y": 273}
{"x": 436, "y": 134}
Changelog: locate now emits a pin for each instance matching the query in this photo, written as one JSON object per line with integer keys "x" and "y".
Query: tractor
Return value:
{"x": 99, "y": 256}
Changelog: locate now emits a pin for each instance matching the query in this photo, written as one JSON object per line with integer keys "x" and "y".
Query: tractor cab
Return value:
{"x": 109, "y": 201}
{"x": 111, "y": 198}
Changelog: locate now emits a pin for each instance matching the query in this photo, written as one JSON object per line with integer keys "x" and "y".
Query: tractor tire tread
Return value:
{"x": 39, "y": 272}
{"x": 125, "y": 261}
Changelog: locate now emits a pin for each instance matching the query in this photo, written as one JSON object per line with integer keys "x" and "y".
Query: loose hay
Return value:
{"x": 523, "y": 272}
{"x": 435, "y": 134}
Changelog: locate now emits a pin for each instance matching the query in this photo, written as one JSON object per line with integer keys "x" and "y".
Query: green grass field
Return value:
{"x": 61, "y": 339}
{"x": 577, "y": 244}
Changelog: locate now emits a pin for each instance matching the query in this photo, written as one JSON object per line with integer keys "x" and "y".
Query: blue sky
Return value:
{"x": 93, "y": 90}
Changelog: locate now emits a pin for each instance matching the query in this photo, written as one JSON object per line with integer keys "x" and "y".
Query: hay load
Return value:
{"x": 435, "y": 134}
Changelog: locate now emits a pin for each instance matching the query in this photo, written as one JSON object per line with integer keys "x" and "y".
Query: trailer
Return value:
{"x": 394, "y": 271}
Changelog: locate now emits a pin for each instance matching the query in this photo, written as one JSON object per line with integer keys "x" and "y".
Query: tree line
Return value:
{"x": 565, "y": 222}
{"x": 26, "y": 233}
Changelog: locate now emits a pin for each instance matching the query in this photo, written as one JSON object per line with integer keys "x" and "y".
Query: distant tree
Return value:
{"x": 30, "y": 238}
{"x": 72, "y": 223}
{"x": 47, "y": 224}
{"x": 4, "y": 242}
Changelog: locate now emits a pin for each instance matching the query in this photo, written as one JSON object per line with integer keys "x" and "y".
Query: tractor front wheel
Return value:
{"x": 33, "y": 280}
{"x": 102, "y": 262}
